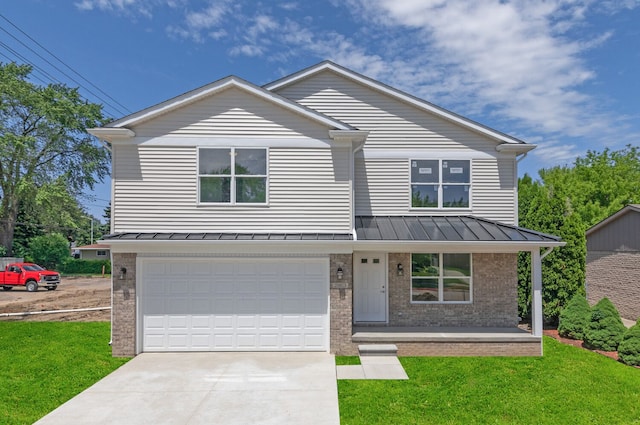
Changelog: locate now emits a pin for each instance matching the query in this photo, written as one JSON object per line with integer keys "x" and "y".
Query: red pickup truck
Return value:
{"x": 28, "y": 275}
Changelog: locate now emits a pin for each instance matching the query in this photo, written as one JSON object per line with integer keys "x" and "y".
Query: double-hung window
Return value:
{"x": 232, "y": 175}
{"x": 440, "y": 183}
{"x": 440, "y": 278}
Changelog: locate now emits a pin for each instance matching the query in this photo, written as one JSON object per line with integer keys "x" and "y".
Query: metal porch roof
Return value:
{"x": 443, "y": 229}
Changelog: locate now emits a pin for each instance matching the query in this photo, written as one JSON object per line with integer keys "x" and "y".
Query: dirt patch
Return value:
{"x": 72, "y": 293}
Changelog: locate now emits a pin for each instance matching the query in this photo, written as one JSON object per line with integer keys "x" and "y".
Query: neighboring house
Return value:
{"x": 94, "y": 251}
{"x": 308, "y": 213}
{"x": 613, "y": 261}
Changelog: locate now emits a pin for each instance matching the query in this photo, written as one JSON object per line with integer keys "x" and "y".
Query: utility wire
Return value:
{"x": 118, "y": 110}
{"x": 60, "y": 71}
{"x": 65, "y": 64}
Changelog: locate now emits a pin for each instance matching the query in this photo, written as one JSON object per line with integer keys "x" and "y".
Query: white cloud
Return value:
{"x": 131, "y": 7}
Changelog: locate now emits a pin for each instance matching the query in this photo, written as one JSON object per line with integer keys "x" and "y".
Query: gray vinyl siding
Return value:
{"x": 620, "y": 234}
{"x": 155, "y": 190}
{"x": 398, "y": 132}
{"x": 232, "y": 113}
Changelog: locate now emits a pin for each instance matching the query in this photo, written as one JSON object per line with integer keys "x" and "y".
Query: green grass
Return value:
{"x": 45, "y": 364}
{"x": 568, "y": 385}
{"x": 347, "y": 360}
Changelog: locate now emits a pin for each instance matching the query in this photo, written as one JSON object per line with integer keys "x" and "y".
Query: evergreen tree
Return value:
{"x": 574, "y": 318}
{"x": 605, "y": 329}
{"x": 629, "y": 348}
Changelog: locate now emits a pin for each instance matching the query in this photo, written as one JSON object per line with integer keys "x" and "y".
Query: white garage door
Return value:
{"x": 240, "y": 304}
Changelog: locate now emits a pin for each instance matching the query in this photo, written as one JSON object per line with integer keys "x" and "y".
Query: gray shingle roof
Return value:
{"x": 443, "y": 229}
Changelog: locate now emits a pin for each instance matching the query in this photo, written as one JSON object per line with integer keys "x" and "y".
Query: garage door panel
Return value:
{"x": 234, "y": 304}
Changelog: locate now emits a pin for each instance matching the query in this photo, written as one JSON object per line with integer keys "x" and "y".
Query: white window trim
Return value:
{"x": 232, "y": 201}
{"x": 99, "y": 251}
{"x": 440, "y": 184}
{"x": 441, "y": 280}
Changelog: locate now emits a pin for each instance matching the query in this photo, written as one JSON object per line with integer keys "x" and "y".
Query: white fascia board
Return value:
{"x": 451, "y": 247}
{"x": 349, "y": 136}
{"x": 420, "y": 103}
{"x": 517, "y": 149}
{"x": 110, "y": 134}
{"x": 219, "y": 86}
{"x": 323, "y": 247}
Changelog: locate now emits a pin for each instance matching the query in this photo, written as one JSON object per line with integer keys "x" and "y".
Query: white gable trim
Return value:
{"x": 405, "y": 97}
{"x": 216, "y": 87}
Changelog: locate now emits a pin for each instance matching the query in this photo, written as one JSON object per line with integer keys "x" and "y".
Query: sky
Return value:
{"x": 562, "y": 74}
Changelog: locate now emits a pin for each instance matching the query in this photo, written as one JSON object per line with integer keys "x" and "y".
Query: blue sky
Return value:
{"x": 562, "y": 74}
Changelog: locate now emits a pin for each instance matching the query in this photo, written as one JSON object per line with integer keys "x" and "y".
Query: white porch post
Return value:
{"x": 536, "y": 293}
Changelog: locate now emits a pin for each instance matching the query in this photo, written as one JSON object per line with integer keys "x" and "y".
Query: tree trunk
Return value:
{"x": 8, "y": 225}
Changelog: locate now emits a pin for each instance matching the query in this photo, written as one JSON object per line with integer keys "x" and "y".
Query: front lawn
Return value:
{"x": 568, "y": 385}
{"x": 45, "y": 364}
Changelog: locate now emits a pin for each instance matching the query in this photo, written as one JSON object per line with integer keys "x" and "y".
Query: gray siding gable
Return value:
{"x": 620, "y": 232}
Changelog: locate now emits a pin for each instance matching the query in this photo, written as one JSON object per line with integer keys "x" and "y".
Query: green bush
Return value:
{"x": 49, "y": 251}
{"x": 629, "y": 348}
{"x": 605, "y": 329}
{"x": 574, "y": 318}
{"x": 73, "y": 266}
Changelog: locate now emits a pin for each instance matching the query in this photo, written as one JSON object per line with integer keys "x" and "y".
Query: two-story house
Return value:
{"x": 316, "y": 212}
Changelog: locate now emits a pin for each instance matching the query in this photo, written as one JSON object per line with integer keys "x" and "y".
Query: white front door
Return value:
{"x": 370, "y": 287}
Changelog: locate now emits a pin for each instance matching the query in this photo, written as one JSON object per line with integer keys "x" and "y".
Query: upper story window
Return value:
{"x": 232, "y": 175}
{"x": 440, "y": 183}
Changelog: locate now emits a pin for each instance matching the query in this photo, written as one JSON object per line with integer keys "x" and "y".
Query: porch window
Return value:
{"x": 232, "y": 176}
{"x": 440, "y": 183}
{"x": 101, "y": 253}
{"x": 440, "y": 278}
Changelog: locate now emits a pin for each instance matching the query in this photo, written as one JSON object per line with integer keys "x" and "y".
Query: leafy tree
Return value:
{"x": 629, "y": 348}
{"x": 43, "y": 139}
{"x": 49, "y": 250}
{"x": 605, "y": 329}
{"x": 574, "y": 318}
{"x": 600, "y": 183}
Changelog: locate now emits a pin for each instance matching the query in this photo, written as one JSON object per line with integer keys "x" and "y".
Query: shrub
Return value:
{"x": 629, "y": 349}
{"x": 72, "y": 266}
{"x": 49, "y": 251}
{"x": 574, "y": 317}
{"x": 605, "y": 329}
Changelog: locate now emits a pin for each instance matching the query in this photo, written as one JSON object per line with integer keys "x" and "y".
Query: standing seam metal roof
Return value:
{"x": 376, "y": 228}
{"x": 444, "y": 229}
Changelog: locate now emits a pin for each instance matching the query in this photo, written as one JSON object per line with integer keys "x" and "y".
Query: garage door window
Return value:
{"x": 232, "y": 176}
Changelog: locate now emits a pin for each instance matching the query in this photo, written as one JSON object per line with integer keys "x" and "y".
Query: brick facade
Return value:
{"x": 341, "y": 305}
{"x": 123, "y": 322}
{"x": 615, "y": 275}
{"x": 494, "y": 294}
{"x": 494, "y": 305}
{"x": 465, "y": 349}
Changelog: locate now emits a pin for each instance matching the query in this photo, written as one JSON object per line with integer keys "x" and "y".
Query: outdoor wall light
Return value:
{"x": 123, "y": 273}
{"x": 340, "y": 273}
{"x": 400, "y": 269}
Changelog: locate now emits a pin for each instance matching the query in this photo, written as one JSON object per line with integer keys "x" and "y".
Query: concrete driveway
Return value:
{"x": 210, "y": 388}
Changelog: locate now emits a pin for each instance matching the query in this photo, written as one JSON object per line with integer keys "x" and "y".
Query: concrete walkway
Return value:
{"x": 373, "y": 367}
{"x": 210, "y": 388}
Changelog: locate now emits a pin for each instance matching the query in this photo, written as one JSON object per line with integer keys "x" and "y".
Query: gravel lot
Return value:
{"x": 73, "y": 292}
